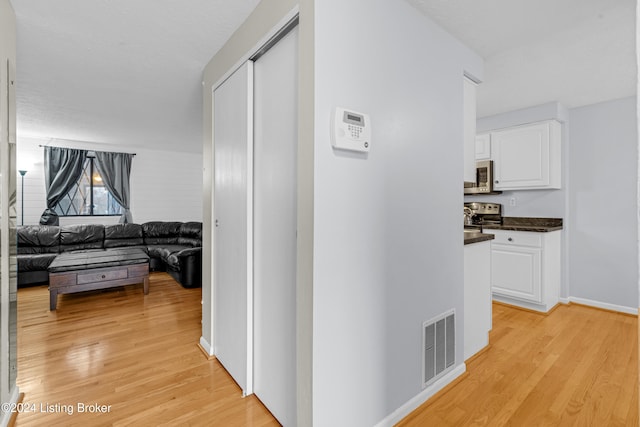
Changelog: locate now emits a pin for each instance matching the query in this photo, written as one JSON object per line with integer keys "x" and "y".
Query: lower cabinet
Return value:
{"x": 525, "y": 268}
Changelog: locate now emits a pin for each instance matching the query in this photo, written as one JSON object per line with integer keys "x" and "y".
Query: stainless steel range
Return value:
{"x": 478, "y": 214}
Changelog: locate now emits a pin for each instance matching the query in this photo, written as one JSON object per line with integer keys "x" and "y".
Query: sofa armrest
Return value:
{"x": 190, "y": 260}
{"x": 183, "y": 254}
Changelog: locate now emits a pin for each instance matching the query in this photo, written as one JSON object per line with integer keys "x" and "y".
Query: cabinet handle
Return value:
{"x": 510, "y": 239}
{"x": 497, "y": 182}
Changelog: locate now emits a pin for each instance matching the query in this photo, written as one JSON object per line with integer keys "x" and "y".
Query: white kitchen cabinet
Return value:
{"x": 483, "y": 146}
{"x": 477, "y": 297}
{"x": 525, "y": 268}
{"x": 527, "y": 156}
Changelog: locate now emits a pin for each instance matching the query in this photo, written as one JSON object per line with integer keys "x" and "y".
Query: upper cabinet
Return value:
{"x": 524, "y": 157}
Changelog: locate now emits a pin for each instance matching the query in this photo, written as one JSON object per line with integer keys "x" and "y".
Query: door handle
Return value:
{"x": 216, "y": 222}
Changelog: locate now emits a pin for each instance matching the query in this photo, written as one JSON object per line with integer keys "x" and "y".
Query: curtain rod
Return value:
{"x": 40, "y": 145}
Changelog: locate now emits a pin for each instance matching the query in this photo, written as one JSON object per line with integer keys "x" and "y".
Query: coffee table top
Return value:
{"x": 97, "y": 258}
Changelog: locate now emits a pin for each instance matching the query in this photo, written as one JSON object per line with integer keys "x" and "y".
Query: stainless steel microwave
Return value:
{"x": 484, "y": 179}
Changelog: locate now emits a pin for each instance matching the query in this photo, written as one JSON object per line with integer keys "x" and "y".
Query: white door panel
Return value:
{"x": 232, "y": 129}
{"x": 275, "y": 220}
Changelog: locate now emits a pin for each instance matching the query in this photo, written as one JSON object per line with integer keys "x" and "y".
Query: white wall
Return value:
{"x": 603, "y": 251}
{"x": 387, "y": 251}
{"x": 165, "y": 185}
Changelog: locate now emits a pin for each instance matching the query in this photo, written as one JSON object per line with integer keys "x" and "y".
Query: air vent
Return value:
{"x": 438, "y": 345}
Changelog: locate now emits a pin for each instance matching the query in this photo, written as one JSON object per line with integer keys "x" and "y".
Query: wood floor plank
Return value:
{"x": 136, "y": 353}
{"x": 577, "y": 366}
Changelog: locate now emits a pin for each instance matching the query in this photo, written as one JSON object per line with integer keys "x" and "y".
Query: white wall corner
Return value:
{"x": 413, "y": 404}
{"x": 206, "y": 346}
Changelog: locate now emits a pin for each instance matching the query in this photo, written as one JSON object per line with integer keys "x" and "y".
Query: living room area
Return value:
{"x": 97, "y": 346}
{"x": 126, "y": 353}
{"x": 118, "y": 353}
{"x": 102, "y": 306}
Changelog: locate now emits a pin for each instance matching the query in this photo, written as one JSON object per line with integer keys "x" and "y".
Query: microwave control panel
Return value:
{"x": 350, "y": 130}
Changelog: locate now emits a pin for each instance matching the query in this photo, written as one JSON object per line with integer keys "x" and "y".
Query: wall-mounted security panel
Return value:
{"x": 350, "y": 130}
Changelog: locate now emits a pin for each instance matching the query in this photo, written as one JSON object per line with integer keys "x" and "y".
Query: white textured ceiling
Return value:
{"x": 128, "y": 72}
{"x": 577, "y": 52}
{"x": 123, "y": 72}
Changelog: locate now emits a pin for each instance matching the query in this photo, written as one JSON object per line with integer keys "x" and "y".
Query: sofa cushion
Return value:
{"x": 81, "y": 237}
{"x": 38, "y": 239}
{"x": 34, "y": 262}
{"x": 161, "y": 233}
{"x": 121, "y": 235}
{"x": 191, "y": 234}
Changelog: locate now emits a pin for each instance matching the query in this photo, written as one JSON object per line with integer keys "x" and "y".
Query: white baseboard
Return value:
{"x": 564, "y": 300}
{"x": 397, "y": 415}
{"x": 6, "y": 416}
{"x": 604, "y": 305}
{"x": 206, "y": 346}
{"x": 542, "y": 308}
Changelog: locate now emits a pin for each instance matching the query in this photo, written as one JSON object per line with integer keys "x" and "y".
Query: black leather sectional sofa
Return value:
{"x": 174, "y": 247}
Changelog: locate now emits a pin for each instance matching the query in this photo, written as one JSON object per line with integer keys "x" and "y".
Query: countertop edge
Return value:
{"x": 477, "y": 238}
{"x": 529, "y": 228}
{"x": 532, "y": 224}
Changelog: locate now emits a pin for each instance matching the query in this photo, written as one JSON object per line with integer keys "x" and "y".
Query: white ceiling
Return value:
{"x": 576, "y": 52}
{"x": 128, "y": 72}
{"x": 119, "y": 71}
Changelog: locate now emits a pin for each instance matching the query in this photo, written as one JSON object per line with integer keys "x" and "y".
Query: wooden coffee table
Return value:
{"x": 72, "y": 272}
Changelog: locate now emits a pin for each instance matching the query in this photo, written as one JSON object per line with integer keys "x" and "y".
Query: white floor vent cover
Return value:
{"x": 439, "y": 347}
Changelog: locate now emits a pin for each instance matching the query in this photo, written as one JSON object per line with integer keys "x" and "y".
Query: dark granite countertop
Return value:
{"x": 539, "y": 225}
{"x": 476, "y": 237}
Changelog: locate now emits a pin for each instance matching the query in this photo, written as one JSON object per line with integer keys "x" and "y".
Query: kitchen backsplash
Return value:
{"x": 529, "y": 203}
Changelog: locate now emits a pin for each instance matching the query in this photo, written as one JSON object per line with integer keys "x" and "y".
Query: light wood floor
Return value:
{"x": 576, "y": 367}
{"x": 121, "y": 348}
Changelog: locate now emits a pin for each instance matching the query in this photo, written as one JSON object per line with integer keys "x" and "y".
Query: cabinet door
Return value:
{"x": 483, "y": 146}
{"x": 515, "y": 272}
{"x": 521, "y": 157}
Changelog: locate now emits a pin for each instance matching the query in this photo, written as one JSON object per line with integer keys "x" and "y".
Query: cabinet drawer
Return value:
{"x": 519, "y": 238}
{"x": 102, "y": 276}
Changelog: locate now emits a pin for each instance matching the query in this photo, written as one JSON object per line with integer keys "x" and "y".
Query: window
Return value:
{"x": 89, "y": 196}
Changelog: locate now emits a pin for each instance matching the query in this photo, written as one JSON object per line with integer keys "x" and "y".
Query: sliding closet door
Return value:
{"x": 275, "y": 221}
{"x": 232, "y": 240}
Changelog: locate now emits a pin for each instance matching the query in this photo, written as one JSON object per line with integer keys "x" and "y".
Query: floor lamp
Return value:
{"x": 22, "y": 173}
